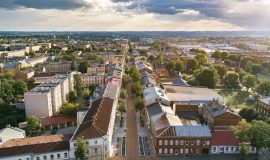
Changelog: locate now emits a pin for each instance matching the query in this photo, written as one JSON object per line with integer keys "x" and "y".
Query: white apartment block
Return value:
{"x": 47, "y": 98}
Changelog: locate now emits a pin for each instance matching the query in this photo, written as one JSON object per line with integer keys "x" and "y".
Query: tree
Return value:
{"x": 224, "y": 55}
{"x": 121, "y": 108}
{"x": 249, "y": 114}
{"x": 216, "y": 55}
{"x": 83, "y": 66}
{"x": 86, "y": 94}
{"x": 221, "y": 69}
{"x": 125, "y": 81}
{"x": 259, "y": 133}
{"x": 231, "y": 80}
{"x": 72, "y": 96}
{"x": 139, "y": 104}
{"x": 33, "y": 123}
{"x": 137, "y": 89}
{"x": 244, "y": 61}
{"x": 130, "y": 47}
{"x": 81, "y": 149}
{"x": 178, "y": 66}
{"x": 192, "y": 64}
{"x": 249, "y": 81}
{"x": 255, "y": 69}
{"x": 19, "y": 89}
{"x": 263, "y": 88}
{"x": 78, "y": 84}
{"x": 207, "y": 77}
{"x": 123, "y": 94}
{"x": 241, "y": 131}
{"x": 73, "y": 65}
{"x": 126, "y": 69}
{"x": 69, "y": 109}
{"x": 201, "y": 58}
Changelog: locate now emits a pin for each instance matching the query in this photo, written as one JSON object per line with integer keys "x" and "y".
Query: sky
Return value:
{"x": 134, "y": 15}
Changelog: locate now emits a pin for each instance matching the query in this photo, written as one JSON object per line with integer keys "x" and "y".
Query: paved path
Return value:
{"x": 132, "y": 135}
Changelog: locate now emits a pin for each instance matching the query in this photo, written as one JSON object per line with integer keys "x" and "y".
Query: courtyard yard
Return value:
{"x": 236, "y": 98}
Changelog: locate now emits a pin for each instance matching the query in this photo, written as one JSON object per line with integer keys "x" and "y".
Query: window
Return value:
{"x": 227, "y": 148}
{"x": 207, "y": 142}
{"x": 165, "y": 150}
{"x": 75, "y": 144}
{"x": 95, "y": 142}
{"x": 186, "y": 151}
{"x": 166, "y": 142}
{"x": 65, "y": 155}
{"x": 176, "y": 142}
{"x": 214, "y": 149}
{"x": 37, "y": 158}
{"x": 160, "y": 150}
{"x": 198, "y": 142}
{"x": 160, "y": 142}
{"x": 182, "y": 142}
{"x": 192, "y": 142}
{"x": 181, "y": 150}
{"x": 186, "y": 142}
{"x": 45, "y": 157}
{"x": 232, "y": 148}
{"x": 52, "y": 156}
{"x": 171, "y": 142}
{"x": 96, "y": 150}
{"x": 171, "y": 150}
{"x": 58, "y": 156}
{"x": 237, "y": 149}
{"x": 197, "y": 151}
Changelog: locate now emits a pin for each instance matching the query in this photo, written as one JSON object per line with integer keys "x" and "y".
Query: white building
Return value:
{"x": 224, "y": 141}
{"x": 36, "y": 148}
{"x": 47, "y": 98}
{"x": 11, "y": 133}
{"x": 155, "y": 94}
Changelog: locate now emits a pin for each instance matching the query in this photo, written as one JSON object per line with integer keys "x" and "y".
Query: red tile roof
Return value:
{"x": 96, "y": 120}
{"x": 55, "y": 120}
{"x": 35, "y": 145}
{"x": 224, "y": 138}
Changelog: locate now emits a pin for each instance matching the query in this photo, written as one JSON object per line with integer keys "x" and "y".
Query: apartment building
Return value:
{"x": 97, "y": 125}
{"x": 58, "y": 67}
{"x": 47, "y": 98}
{"x": 263, "y": 106}
{"x": 92, "y": 78}
{"x": 97, "y": 68}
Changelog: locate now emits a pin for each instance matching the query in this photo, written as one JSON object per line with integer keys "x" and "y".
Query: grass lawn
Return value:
{"x": 236, "y": 98}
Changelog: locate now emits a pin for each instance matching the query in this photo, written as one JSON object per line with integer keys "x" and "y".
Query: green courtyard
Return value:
{"x": 237, "y": 99}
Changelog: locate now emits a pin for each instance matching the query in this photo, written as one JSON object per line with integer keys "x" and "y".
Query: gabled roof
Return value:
{"x": 96, "y": 120}
{"x": 224, "y": 138}
{"x": 34, "y": 145}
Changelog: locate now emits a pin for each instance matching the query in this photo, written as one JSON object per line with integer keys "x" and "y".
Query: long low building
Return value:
{"x": 36, "y": 148}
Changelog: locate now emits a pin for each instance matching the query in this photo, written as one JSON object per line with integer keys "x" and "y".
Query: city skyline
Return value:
{"x": 134, "y": 15}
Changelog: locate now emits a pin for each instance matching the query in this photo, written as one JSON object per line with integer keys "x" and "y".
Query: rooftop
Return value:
{"x": 224, "y": 138}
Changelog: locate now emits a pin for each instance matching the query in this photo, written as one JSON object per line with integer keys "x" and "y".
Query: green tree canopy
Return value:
{"x": 70, "y": 109}
{"x": 81, "y": 149}
{"x": 83, "y": 66}
{"x": 221, "y": 69}
{"x": 249, "y": 81}
{"x": 191, "y": 65}
{"x": 34, "y": 123}
{"x": 201, "y": 58}
{"x": 86, "y": 94}
{"x": 137, "y": 89}
{"x": 231, "y": 80}
{"x": 263, "y": 88}
{"x": 207, "y": 77}
{"x": 248, "y": 114}
{"x": 78, "y": 85}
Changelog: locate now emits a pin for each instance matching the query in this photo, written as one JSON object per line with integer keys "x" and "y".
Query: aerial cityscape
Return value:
{"x": 135, "y": 80}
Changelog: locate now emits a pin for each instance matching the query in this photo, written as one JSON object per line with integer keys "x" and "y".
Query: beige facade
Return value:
{"x": 88, "y": 79}
{"x": 96, "y": 69}
{"x": 58, "y": 67}
{"x": 47, "y": 99}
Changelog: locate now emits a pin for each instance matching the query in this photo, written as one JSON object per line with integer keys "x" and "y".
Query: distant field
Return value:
{"x": 236, "y": 98}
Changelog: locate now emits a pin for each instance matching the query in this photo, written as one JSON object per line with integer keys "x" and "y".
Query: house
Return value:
{"x": 173, "y": 136}
{"x": 143, "y": 67}
{"x": 263, "y": 106}
{"x": 25, "y": 74}
{"x": 160, "y": 69}
{"x": 31, "y": 62}
{"x": 216, "y": 114}
{"x": 147, "y": 80}
{"x": 57, "y": 121}
{"x": 9, "y": 133}
{"x": 155, "y": 94}
{"x": 36, "y": 148}
{"x": 224, "y": 141}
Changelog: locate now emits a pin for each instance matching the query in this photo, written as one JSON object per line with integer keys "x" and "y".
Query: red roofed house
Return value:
{"x": 224, "y": 141}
